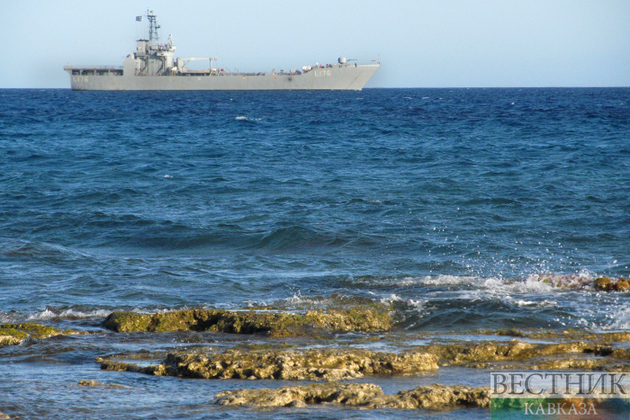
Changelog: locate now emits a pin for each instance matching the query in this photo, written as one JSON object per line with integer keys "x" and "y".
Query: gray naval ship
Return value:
{"x": 153, "y": 66}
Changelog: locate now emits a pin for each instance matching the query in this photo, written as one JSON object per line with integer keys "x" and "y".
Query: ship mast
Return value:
{"x": 153, "y": 26}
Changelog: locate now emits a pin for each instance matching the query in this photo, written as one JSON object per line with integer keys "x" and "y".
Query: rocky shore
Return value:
{"x": 332, "y": 346}
{"x": 435, "y": 397}
{"x": 327, "y": 364}
{"x": 571, "y": 349}
{"x": 274, "y": 324}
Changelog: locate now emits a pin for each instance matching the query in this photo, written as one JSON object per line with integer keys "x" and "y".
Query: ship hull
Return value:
{"x": 329, "y": 78}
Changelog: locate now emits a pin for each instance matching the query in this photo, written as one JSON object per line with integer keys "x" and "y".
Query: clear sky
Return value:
{"x": 420, "y": 43}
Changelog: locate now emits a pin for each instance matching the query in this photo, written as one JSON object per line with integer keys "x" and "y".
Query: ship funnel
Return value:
{"x": 342, "y": 60}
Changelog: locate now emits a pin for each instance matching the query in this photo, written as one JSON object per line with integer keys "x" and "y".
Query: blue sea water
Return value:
{"x": 452, "y": 204}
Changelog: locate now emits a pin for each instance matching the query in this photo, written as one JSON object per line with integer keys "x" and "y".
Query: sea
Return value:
{"x": 463, "y": 209}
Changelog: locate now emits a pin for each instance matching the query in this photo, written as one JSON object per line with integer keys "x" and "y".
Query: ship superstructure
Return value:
{"x": 153, "y": 66}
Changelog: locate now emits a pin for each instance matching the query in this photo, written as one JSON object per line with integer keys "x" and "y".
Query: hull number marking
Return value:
{"x": 321, "y": 73}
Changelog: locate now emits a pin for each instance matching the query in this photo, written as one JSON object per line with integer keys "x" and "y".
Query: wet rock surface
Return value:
{"x": 13, "y": 334}
{"x": 9, "y": 336}
{"x": 276, "y": 324}
{"x": 569, "y": 349}
{"x": 434, "y": 397}
{"x": 281, "y": 364}
{"x": 90, "y": 383}
{"x": 606, "y": 284}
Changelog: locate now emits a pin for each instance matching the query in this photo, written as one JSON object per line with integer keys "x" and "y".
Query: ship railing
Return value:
{"x": 263, "y": 73}
{"x": 229, "y": 73}
{"x": 92, "y": 67}
{"x": 214, "y": 72}
{"x": 94, "y": 71}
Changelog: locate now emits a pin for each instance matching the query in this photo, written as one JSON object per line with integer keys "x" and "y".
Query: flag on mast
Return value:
{"x": 138, "y": 18}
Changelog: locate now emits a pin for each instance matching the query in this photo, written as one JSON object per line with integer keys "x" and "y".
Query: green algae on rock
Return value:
{"x": 41, "y": 331}
{"x": 13, "y": 334}
{"x": 327, "y": 364}
{"x": 622, "y": 286}
{"x": 435, "y": 397}
{"x": 595, "y": 354}
{"x": 605, "y": 284}
{"x": 368, "y": 318}
{"x": 10, "y": 336}
{"x": 602, "y": 283}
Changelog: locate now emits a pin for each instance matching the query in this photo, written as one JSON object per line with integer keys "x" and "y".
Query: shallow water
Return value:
{"x": 464, "y": 208}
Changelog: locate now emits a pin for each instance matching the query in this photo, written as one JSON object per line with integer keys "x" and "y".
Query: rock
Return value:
{"x": 579, "y": 334}
{"x": 349, "y": 394}
{"x": 319, "y": 364}
{"x": 90, "y": 383}
{"x": 608, "y": 285}
{"x": 441, "y": 396}
{"x": 4, "y": 416}
{"x": 354, "y": 319}
{"x": 359, "y": 395}
{"x": 464, "y": 354}
{"x": 565, "y": 349}
{"x": 38, "y": 330}
{"x": 336, "y": 364}
{"x": 13, "y": 334}
{"x": 372, "y": 318}
{"x": 10, "y": 336}
{"x": 85, "y": 382}
{"x": 602, "y": 284}
{"x": 512, "y": 332}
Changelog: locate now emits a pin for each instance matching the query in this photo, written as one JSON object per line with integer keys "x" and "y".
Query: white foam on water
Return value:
{"x": 72, "y": 314}
{"x": 533, "y": 304}
{"x": 298, "y": 299}
{"x": 441, "y": 280}
{"x": 407, "y": 281}
{"x": 528, "y": 286}
{"x": 255, "y": 303}
{"x": 533, "y": 283}
{"x": 417, "y": 304}
{"x": 619, "y": 319}
{"x": 42, "y": 316}
{"x": 47, "y": 314}
{"x": 391, "y": 299}
{"x": 565, "y": 281}
{"x": 5, "y": 318}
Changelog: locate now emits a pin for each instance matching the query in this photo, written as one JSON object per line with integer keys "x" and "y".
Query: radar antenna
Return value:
{"x": 153, "y": 26}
